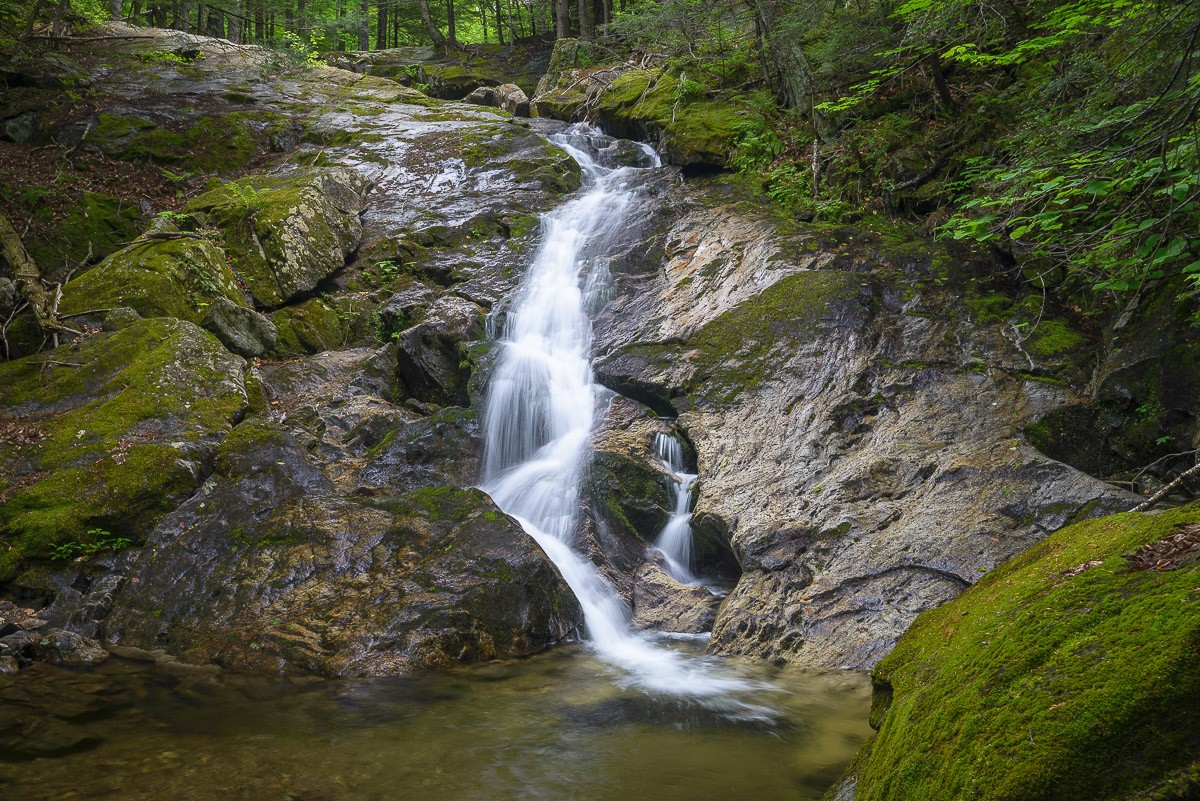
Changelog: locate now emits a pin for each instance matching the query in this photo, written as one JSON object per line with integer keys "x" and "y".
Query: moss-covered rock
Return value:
{"x": 287, "y": 233}
{"x": 207, "y": 143}
{"x": 107, "y": 435}
{"x": 309, "y": 327}
{"x": 157, "y": 278}
{"x": 691, "y": 130}
{"x": 1065, "y": 674}
{"x": 456, "y": 81}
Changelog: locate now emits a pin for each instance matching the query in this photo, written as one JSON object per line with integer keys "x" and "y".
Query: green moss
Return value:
{"x": 114, "y": 434}
{"x": 694, "y": 130}
{"x": 309, "y": 327}
{"x": 438, "y": 504}
{"x": 1050, "y": 679}
{"x": 1053, "y": 338}
{"x": 157, "y": 278}
{"x": 208, "y": 144}
{"x": 92, "y": 226}
{"x": 732, "y": 349}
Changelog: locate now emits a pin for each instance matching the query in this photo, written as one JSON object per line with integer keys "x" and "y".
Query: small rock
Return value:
{"x": 68, "y": 648}
{"x": 242, "y": 330}
{"x": 15, "y": 644}
{"x": 8, "y": 664}
{"x": 32, "y": 623}
{"x": 120, "y": 317}
{"x": 512, "y": 99}
{"x": 662, "y": 604}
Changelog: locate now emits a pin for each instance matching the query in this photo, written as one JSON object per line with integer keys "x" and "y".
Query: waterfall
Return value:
{"x": 675, "y": 539}
{"x": 542, "y": 407}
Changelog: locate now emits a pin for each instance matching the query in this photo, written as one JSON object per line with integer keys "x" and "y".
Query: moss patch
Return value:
{"x": 157, "y": 278}
{"x": 693, "y": 130}
{"x": 1062, "y": 675}
{"x": 309, "y": 327}
{"x": 730, "y": 352}
{"x": 113, "y": 443}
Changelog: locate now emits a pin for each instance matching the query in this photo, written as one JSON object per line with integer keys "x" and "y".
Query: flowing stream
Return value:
{"x": 675, "y": 539}
{"x": 542, "y": 407}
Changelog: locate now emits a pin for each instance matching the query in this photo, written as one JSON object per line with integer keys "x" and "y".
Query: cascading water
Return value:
{"x": 675, "y": 539}
{"x": 540, "y": 413}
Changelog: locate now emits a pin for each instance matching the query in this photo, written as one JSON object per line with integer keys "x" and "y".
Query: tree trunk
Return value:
{"x": 587, "y": 20}
{"x": 450, "y": 34}
{"x": 235, "y": 22}
{"x": 60, "y": 11}
{"x": 381, "y": 27}
{"x": 364, "y": 25}
{"x": 435, "y": 34}
{"x": 114, "y": 8}
{"x": 562, "y": 19}
{"x": 29, "y": 281}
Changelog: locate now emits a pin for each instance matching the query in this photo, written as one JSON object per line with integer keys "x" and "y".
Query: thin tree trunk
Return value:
{"x": 60, "y": 11}
{"x": 450, "y": 34}
{"x": 114, "y": 8}
{"x": 364, "y": 25}
{"x": 435, "y": 34}
{"x": 587, "y": 20}
{"x": 235, "y": 22}
{"x": 381, "y": 27}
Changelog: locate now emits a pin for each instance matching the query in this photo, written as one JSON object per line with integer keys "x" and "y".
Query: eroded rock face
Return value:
{"x": 858, "y": 427}
{"x": 269, "y": 568}
{"x": 662, "y": 604}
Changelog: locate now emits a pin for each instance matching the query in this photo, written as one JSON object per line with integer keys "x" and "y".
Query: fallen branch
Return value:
{"x": 1165, "y": 491}
{"x": 29, "y": 282}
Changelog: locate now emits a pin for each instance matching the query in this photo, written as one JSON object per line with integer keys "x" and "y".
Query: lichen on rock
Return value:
{"x": 287, "y": 233}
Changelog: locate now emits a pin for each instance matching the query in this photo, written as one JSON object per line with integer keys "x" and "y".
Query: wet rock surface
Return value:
{"x": 842, "y": 397}
{"x": 341, "y": 467}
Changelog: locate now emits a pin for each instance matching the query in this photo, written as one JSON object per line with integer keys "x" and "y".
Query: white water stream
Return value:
{"x": 542, "y": 407}
{"x": 675, "y": 539}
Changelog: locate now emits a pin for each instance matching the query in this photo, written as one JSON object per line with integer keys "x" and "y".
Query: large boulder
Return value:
{"x": 104, "y": 437}
{"x": 288, "y": 233}
{"x": 169, "y": 274}
{"x": 1071, "y": 672}
{"x": 269, "y": 568}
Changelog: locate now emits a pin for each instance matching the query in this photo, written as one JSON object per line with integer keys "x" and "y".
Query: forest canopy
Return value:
{"x": 1063, "y": 135}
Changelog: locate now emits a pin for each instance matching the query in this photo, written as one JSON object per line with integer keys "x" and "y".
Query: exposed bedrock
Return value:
{"x": 857, "y": 411}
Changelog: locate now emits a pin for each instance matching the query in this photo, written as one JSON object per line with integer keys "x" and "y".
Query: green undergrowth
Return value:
{"x": 1063, "y": 675}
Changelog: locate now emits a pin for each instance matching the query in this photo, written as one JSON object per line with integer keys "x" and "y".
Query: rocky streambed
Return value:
{"x": 261, "y": 452}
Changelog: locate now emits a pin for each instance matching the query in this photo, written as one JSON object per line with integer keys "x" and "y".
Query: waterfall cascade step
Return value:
{"x": 542, "y": 408}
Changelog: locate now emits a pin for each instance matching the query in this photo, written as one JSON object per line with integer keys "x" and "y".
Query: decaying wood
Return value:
{"x": 28, "y": 278}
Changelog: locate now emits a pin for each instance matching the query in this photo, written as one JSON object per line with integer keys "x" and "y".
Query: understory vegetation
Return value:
{"x": 1062, "y": 135}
